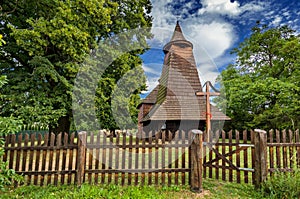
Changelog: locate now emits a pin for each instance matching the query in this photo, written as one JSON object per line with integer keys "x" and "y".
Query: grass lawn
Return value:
{"x": 212, "y": 189}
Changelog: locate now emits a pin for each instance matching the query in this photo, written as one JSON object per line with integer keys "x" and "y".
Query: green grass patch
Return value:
{"x": 211, "y": 189}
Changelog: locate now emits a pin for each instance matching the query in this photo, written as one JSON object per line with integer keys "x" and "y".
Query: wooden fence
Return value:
{"x": 97, "y": 158}
{"x": 43, "y": 160}
{"x": 163, "y": 159}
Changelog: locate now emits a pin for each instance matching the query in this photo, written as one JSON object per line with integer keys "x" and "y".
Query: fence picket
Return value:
{"x": 271, "y": 150}
{"x": 163, "y": 141}
{"x": 223, "y": 153}
{"x": 183, "y": 149}
{"x": 169, "y": 158}
{"x": 37, "y": 156}
{"x": 50, "y": 165}
{"x": 19, "y": 143}
{"x": 90, "y": 157}
{"x": 117, "y": 159}
{"x": 205, "y": 158}
{"x": 57, "y": 158}
{"x": 97, "y": 156}
{"x": 44, "y": 157}
{"x": 6, "y": 144}
{"x": 25, "y": 152}
{"x": 252, "y": 156}
{"x": 176, "y": 138}
{"x": 136, "y": 175}
{"x": 237, "y": 141}
{"x": 217, "y": 149}
{"x": 291, "y": 150}
{"x": 284, "y": 150}
{"x": 157, "y": 135}
{"x": 110, "y": 158}
{"x": 30, "y": 167}
{"x": 278, "y": 162}
{"x": 12, "y": 152}
{"x": 190, "y": 140}
{"x": 64, "y": 156}
{"x": 123, "y": 159}
{"x": 70, "y": 152}
{"x": 230, "y": 157}
{"x": 130, "y": 159}
{"x": 245, "y": 141}
{"x": 297, "y": 147}
{"x": 150, "y": 159}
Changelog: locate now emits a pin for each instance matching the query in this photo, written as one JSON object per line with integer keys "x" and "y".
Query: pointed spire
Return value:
{"x": 177, "y": 35}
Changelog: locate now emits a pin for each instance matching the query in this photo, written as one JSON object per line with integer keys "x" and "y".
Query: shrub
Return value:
{"x": 8, "y": 125}
{"x": 282, "y": 185}
{"x": 7, "y": 176}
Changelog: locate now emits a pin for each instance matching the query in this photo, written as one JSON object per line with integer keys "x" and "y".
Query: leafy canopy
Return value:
{"x": 46, "y": 43}
{"x": 261, "y": 89}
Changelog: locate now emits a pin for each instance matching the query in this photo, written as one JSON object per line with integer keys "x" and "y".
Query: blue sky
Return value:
{"x": 215, "y": 27}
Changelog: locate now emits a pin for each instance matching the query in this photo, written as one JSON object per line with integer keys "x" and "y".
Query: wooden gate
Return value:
{"x": 230, "y": 156}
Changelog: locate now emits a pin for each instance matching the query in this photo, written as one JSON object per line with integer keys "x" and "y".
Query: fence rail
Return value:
{"x": 163, "y": 159}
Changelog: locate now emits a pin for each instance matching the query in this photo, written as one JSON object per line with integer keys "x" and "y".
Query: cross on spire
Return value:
{"x": 208, "y": 111}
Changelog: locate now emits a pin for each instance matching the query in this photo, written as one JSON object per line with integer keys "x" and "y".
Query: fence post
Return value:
{"x": 196, "y": 161}
{"x": 81, "y": 157}
{"x": 260, "y": 154}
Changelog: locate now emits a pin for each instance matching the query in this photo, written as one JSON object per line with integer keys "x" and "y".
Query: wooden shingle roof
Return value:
{"x": 175, "y": 94}
{"x": 151, "y": 97}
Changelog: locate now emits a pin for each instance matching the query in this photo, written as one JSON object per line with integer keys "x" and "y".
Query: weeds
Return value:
{"x": 282, "y": 185}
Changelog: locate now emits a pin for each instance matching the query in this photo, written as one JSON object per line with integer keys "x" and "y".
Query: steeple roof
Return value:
{"x": 177, "y": 39}
{"x": 177, "y": 35}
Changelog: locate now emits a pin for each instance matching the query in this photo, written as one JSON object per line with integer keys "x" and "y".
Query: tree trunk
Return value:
{"x": 63, "y": 126}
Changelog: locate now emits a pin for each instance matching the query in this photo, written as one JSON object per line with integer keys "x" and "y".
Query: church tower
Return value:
{"x": 173, "y": 105}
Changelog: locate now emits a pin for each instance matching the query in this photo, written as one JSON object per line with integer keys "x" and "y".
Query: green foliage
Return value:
{"x": 1, "y": 40}
{"x": 262, "y": 88}
{"x": 7, "y": 176}
{"x": 282, "y": 185}
{"x": 8, "y": 125}
{"x": 46, "y": 43}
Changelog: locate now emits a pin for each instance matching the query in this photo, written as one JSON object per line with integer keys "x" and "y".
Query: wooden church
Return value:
{"x": 173, "y": 105}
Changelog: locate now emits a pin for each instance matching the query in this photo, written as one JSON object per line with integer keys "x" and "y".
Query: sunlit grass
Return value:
{"x": 211, "y": 189}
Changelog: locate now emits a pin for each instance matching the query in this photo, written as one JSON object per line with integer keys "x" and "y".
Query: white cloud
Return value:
{"x": 207, "y": 73}
{"x": 254, "y": 7}
{"x": 151, "y": 69}
{"x": 210, "y": 33}
{"x": 277, "y": 20}
{"x": 215, "y": 38}
{"x": 224, "y": 7}
{"x": 151, "y": 83}
{"x": 286, "y": 14}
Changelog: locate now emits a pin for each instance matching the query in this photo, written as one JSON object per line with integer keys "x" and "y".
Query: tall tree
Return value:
{"x": 262, "y": 88}
{"x": 115, "y": 97}
{"x": 47, "y": 40}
